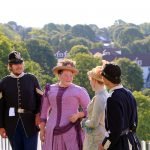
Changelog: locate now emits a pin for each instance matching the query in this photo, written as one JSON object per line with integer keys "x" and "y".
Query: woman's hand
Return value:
{"x": 42, "y": 131}
{"x": 42, "y": 135}
{"x": 73, "y": 118}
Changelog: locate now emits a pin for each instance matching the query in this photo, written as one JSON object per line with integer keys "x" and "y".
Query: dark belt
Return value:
{"x": 61, "y": 130}
{"x": 125, "y": 132}
{"x": 21, "y": 111}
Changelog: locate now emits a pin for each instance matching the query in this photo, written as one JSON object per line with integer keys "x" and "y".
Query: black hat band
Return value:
{"x": 115, "y": 79}
{"x": 15, "y": 61}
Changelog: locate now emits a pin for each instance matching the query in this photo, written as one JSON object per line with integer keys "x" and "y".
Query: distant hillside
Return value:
{"x": 39, "y": 46}
{"x": 63, "y": 37}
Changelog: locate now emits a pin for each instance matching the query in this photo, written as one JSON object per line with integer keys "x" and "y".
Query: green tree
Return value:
{"x": 21, "y": 47}
{"x": 145, "y": 28}
{"x": 125, "y": 50}
{"x": 50, "y": 27}
{"x": 119, "y": 22}
{"x": 54, "y": 41}
{"x": 67, "y": 27}
{"x": 3, "y": 70}
{"x": 96, "y": 45}
{"x": 80, "y": 41}
{"x": 84, "y": 63}
{"x": 115, "y": 32}
{"x": 5, "y": 49}
{"x": 140, "y": 46}
{"x": 39, "y": 34}
{"x": 128, "y": 35}
{"x": 25, "y": 33}
{"x": 8, "y": 31}
{"x": 78, "y": 49}
{"x": 131, "y": 72}
{"x": 143, "y": 115}
{"x": 83, "y": 31}
{"x": 41, "y": 52}
{"x": 35, "y": 68}
{"x": 146, "y": 92}
{"x": 63, "y": 41}
{"x": 104, "y": 32}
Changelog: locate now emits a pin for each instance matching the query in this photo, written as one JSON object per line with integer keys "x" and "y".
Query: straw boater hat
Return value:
{"x": 66, "y": 64}
{"x": 95, "y": 73}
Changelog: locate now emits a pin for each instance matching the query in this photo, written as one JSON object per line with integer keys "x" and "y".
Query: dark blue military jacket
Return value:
{"x": 121, "y": 121}
{"x": 19, "y": 93}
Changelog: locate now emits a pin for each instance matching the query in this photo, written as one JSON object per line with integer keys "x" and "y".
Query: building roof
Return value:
{"x": 105, "y": 49}
{"x": 144, "y": 59}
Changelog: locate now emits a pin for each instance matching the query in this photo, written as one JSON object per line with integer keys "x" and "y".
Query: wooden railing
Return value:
{"x": 145, "y": 145}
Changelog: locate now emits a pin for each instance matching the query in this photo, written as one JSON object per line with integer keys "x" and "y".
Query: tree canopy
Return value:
{"x": 84, "y": 63}
{"x": 78, "y": 49}
{"x": 143, "y": 103}
{"x": 40, "y": 51}
{"x": 131, "y": 72}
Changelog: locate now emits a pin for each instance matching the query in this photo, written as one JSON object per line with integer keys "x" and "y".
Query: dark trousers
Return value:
{"x": 20, "y": 141}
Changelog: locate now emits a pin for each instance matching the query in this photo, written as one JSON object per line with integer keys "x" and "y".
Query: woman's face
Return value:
{"x": 66, "y": 78}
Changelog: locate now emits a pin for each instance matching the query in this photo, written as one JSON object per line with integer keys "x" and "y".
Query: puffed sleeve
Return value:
{"x": 84, "y": 100}
{"x": 45, "y": 108}
{"x": 98, "y": 111}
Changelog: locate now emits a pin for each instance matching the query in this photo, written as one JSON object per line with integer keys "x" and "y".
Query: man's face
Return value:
{"x": 17, "y": 69}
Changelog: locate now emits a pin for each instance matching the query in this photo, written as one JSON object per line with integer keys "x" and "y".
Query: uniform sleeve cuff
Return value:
{"x": 106, "y": 143}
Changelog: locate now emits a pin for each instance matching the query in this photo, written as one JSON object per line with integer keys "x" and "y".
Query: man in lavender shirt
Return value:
{"x": 60, "y": 126}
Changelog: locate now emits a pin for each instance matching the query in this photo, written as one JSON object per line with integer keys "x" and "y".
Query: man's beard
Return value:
{"x": 17, "y": 74}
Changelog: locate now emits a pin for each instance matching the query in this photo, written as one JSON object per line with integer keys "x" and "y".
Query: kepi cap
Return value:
{"x": 15, "y": 58}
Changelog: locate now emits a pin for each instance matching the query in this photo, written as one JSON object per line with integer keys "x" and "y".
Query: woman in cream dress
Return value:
{"x": 94, "y": 125}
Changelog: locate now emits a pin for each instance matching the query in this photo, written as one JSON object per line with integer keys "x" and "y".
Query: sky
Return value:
{"x": 103, "y": 13}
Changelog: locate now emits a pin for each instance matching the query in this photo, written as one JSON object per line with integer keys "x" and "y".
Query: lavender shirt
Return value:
{"x": 56, "y": 110}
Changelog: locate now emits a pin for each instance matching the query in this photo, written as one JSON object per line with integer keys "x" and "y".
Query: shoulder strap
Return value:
{"x": 47, "y": 88}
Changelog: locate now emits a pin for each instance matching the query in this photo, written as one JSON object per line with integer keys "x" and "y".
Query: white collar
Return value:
{"x": 115, "y": 88}
{"x": 14, "y": 76}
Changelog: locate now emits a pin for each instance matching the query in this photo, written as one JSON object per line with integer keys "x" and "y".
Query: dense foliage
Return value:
{"x": 131, "y": 72}
{"x": 84, "y": 63}
{"x": 143, "y": 103}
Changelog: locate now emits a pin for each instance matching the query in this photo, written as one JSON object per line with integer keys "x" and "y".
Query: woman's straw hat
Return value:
{"x": 66, "y": 64}
{"x": 95, "y": 73}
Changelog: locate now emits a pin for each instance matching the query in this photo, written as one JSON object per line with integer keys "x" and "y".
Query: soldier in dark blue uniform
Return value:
{"x": 121, "y": 113}
{"x": 20, "y": 100}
